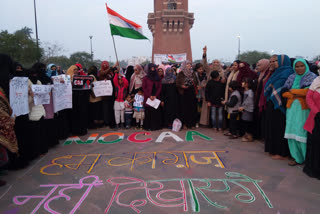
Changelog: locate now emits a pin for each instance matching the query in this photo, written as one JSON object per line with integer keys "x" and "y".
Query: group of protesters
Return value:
{"x": 277, "y": 102}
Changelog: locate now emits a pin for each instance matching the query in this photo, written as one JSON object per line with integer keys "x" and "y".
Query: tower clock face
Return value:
{"x": 172, "y": 5}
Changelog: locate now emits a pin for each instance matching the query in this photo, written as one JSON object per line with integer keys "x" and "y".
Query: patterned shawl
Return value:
{"x": 276, "y": 82}
{"x": 7, "y": 135}
{"x": 300, "y": 81}
{"x": 136, "y": 80}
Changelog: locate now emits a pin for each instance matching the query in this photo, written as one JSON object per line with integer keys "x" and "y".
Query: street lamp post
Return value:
{"x": 91, "y": 48}
{"x": 238, "y": 46}
{"x": 35, "y": 20}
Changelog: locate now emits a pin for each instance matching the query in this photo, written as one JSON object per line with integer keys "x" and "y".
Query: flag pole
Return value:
{"x": 115, "y": 50}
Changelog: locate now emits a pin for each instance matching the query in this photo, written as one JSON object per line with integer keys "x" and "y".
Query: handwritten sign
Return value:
{"x": 153, "y": 103}
{"x": 19, "y": 96}
{"x": 82, "y": 82}
{"x": 102, "y": 88}
{"x": 62, "y": 95}
{"x": 41, "y": 94}
{"x": 60, "y": 79}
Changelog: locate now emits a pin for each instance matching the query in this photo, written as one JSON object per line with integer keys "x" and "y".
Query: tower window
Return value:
{"x": 172, "y": 5}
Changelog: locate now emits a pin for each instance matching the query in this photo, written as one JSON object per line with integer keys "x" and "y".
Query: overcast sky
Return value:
{"x": 284, "y": 26}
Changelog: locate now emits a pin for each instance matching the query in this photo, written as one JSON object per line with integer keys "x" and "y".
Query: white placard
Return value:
{"x": 62, "y": 95}
{"x": 41, "y": 94}
{"x": 102, "y": 88}
{"x": 60, "y": 79}
{"x": 19, "y": 96}
{"x": 153, "y": 103}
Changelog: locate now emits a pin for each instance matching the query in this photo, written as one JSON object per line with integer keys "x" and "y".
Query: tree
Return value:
{"x": 197, "y": 61}
{"x": 20, "y": 46}
{"x": 252, "y": 57}
{"x": 51, "y": 50}
{"x": 83, "y": 58}
{"x": 316, "y": 58}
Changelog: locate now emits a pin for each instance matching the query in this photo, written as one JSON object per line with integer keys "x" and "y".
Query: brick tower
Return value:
{"x": 170, "y": 25}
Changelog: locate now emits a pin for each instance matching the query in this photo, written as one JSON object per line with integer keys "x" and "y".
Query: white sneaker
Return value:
{"x": 197, "y": 125}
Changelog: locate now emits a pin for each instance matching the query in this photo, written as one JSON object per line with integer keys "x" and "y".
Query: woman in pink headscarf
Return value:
{"x": 136, "y": 79}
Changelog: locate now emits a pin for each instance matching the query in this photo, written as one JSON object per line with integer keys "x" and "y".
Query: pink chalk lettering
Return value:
{"x": 46, "y": 199}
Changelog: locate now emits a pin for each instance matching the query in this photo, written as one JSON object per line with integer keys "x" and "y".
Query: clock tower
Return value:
{"x": 170, "y": 24}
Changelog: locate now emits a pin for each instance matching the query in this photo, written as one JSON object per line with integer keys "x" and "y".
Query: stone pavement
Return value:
{"x": 129, "y": 171}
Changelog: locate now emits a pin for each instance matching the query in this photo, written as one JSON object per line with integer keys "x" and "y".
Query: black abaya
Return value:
{"x": 275, "y": 143}
{"x": 169, "y": 96}
{"x": 152, "y": 119}
{"x": 312, "y": 162}
{"x": 187, "y": 110}
{"x": 80, "y": 107}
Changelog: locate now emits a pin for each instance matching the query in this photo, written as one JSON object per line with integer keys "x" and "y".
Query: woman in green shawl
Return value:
{"x": 297, "y": 86}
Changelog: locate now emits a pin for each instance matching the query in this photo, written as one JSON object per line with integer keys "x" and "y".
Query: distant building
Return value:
{"x": 137, "y": 60}
{"x": 170, "y": 24}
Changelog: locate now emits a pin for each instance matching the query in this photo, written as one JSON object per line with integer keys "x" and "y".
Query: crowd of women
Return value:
{"x": 278, "y": 102}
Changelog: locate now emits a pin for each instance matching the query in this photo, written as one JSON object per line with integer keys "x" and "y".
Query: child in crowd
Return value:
{"x": 138, "y": 108}
{"x": 247, "y": 108}
{"x": 214, "y": 94}
{"x": 120, "y": 87}
{"x": 233, "y": 105}
{"x": 128, "y": 111}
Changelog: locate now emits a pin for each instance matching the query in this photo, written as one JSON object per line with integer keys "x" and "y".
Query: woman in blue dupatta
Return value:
{"x": 297, "y": 87}
{"x": 275, "y": 144}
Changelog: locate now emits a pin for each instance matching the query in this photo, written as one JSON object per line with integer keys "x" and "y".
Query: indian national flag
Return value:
{"x": 124, "y": 27}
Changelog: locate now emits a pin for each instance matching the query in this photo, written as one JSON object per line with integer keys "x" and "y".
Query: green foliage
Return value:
{"x": 316, "y": 58}
{"x": 197, "y": 61}
{"x": 20, "y": 46}
{"x": 253, "y": 57}
{"x": 83, "y": 58}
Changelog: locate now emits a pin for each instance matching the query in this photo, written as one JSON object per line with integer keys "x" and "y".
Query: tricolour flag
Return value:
{"x": 124, "y": 27}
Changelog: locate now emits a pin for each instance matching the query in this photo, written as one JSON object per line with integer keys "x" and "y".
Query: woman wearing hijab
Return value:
{"x": 106, "y": 73}
{"x": 51, "y": 70}
{"x": 151, "y": 86}
{"x": 202, "y": 106}
{"x": 8, "y": 140}
{"x": 21, "y": 122}
{"x": 72, "y": 70}
{"x": 216, "y": 65}
{"x": 136, "y": 80}
{"x": 187, "y": 85}
{"x": 63, "y": 117}
{"x": 50, "y": 122}
{"x": 95, "y": 103}
{"x": 297, "y": 87}
{"x": 263, "y": 70}
{"x": 312, "y": 125}
{"x": 129, "y": 72}
{"x": 36, "y": 119}
{"x": 80, "y": 107}
{"x": 245, "y": 72}
{"x": 232, "y": 77}
{"x": 275, "y": 123}
{"x": 169, "y": 98}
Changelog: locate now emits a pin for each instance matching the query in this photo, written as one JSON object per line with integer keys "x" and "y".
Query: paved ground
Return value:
{"x": 183, "y": 173}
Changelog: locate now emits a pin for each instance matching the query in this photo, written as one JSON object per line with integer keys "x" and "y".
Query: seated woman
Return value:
{"x": 297, "y": 86}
